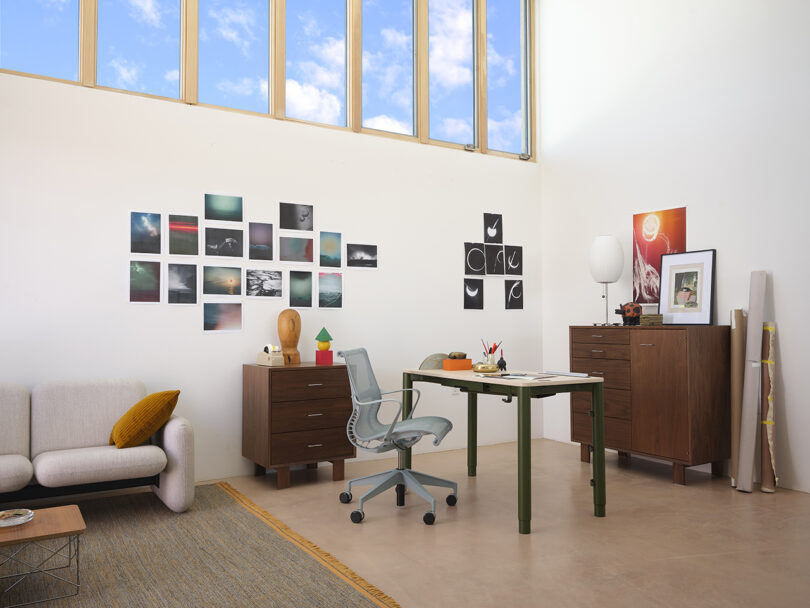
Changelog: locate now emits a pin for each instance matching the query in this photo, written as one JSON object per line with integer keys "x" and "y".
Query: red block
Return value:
{"x": 323, "y": 357}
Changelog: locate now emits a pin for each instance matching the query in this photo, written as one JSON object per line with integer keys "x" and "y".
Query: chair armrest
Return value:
{"x": 176, "y": 489}
{"x": 402, "y": 390}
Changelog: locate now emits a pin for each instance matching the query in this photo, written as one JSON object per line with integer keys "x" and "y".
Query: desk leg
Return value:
{"x": 472, "y": 433}
{"x": 407, "y": 401}
{"x": 524, "y": 461}
{"x": 598, "y": 403}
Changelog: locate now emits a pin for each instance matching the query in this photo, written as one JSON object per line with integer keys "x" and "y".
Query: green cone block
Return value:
{"x": 323, "y": 336}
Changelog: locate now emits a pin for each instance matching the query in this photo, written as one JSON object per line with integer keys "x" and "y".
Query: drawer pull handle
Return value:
{"x": 646, "y": 344}
{"x": 597, "y": 373}
{"x": 315, "y": 445}
{"x": 594, "y": 350}
{"x": 596, "y": 336}
{"x": 315, "y": 384}
{"x": 313, "y": 415}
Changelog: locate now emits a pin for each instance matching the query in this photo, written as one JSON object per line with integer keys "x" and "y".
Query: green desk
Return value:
{"x": 524, "y": 390}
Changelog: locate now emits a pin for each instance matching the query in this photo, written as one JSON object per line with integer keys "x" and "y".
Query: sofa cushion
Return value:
{"x": 15, "y": 413}
{"x": 78, "y": 414}
{"x": 91, "y": 465}
{"x": 15, "y": 472}
{"x": 143, "y": 419}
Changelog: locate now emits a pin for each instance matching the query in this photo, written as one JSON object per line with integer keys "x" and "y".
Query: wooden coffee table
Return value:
{"x": 64, "y": 523}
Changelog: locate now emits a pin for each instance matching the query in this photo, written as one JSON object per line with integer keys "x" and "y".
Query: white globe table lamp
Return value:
{"x": 606, "y": 260}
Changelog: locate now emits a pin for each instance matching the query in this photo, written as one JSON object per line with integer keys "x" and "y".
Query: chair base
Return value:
{"x": 413, "y": 480}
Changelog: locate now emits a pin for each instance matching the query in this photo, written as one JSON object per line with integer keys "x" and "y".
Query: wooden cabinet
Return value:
{"x": 295, "y": 414}
{"x": 666, "y": 392}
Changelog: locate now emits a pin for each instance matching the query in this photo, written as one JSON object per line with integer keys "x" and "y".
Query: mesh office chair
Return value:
{"x": 367, "y": 432}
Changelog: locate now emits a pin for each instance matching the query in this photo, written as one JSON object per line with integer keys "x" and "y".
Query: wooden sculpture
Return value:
{"x": 289, "y": 330}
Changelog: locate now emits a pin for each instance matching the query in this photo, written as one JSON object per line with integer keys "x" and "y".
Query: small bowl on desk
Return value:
{"x": 485, "y": 368}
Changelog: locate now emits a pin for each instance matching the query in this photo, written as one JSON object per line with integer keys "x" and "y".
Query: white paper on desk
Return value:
{"x": 527, "y": 376}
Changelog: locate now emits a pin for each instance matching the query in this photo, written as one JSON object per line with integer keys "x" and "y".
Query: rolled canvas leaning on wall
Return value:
{"x": 767, "y": 432}
{"x": 737, "y": 374}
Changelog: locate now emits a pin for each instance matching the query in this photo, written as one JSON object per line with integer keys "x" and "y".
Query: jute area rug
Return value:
{"x": 225, "y": 551}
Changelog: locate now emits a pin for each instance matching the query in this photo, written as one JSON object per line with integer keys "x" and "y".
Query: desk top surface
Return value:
{"x": 471, "y": 376}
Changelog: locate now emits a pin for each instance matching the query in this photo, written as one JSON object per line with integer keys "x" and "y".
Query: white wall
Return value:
{"x": 74, "y": 162}
{"x": 652, "y": 105}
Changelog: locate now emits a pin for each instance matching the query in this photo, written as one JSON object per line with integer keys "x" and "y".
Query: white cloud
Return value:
{"x": 451, "y": 44}
{"x": 308, "y": 102}
{"x": 310, "y": 25}
{"x": 332, "y": 51}
{"x": 505, "y": 134}
{"x": 126, "y": 72}
{"x": 236, "y": 26}
{"x": 57, "y": 4}
{"x": 172, "y": 75}
{"x": 499, "y": 68}
{"x": 145, "y": 11}
{"x": 320, "y": 76}
{"x": 264, "y": 88}
{"x": 396, "y": 39}
{"x": 388, "y": 123}
{"x": 456, "y": 129}
{"x": 244, "y": 87}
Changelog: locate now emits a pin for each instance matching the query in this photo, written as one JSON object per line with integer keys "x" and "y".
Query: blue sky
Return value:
{"x": 139, "y": 50}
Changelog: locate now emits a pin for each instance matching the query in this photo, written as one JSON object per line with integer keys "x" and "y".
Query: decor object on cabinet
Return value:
{"x": 630, "y": 312}
{"x": 651, "y": 320}
{"x": 295, "y": 414}
{"x": 323, "y": 356}
{"x": 434, "y": 361}
{"x": 289, "y": 330}
{"x": 271, "y": 356}
{"x": 605, "y": 261}
{"x": 655, "y": 233}
{"x": 687, "y": 288}
{"x": 502, "y": 363}
{"x": 666, "y": 392}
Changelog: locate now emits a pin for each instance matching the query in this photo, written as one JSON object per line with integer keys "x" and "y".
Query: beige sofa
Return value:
{"x": 58, "y": 438}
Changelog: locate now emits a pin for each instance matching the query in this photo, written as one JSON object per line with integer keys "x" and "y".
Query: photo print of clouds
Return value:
{"x": 361, "y": 256}
{"x": 330, "y": 290}
{"x": 222, "y": 281}
{"x": 219, "y": 316}
{"x": 223, "y": 208}
{"x": 184, "y": 235}
{"x": 144, "y": 232}
{"x": 493, "y": 228}
{"x": 331, "y": 249}
{"x": 473, "y": 294}
{"x": 263, "y": 283}
{"x": 182, "y": 283}
{"x": 224, "y": 242}
{"x": 513, "y": 259}
{"x": 295, "y": 249}
{"x": 144, "y": 281}
{"x": 295, "y": 217}
{"x": 474, "y": 260}
{"x": 260, "y": 238}
{"x": 494, "y": 257}
{"x": 514, "y": 294}
{"x": 300, "y": 289}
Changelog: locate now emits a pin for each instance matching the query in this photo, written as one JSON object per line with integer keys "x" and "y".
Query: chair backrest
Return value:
{"x": 15, "y": 412}
{"x": 364, "y": 388}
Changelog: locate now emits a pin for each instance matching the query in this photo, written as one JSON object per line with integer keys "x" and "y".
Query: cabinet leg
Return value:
{"x": 337, "y": 470}
{"x": 718, "y": 468}
{"x": 678, "y": 473}
{"x": 282, "y": 477}
{"x": 258, "y": 470}
{"x": 312, "y": 465}
{"x": 624, "y": 459}
{"x": 584, "y": 452}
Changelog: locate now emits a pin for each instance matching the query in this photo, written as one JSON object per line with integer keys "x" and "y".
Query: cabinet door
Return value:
{"x": 659, "y": 393}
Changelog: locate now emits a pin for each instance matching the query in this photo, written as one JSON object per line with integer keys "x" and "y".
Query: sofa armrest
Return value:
{"x": 176, "y": 489}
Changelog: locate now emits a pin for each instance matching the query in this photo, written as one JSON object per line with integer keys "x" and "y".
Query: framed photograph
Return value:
{"x": 474, "y": 259}
{"x": 223, "y": 208}
{"x": 295, "y": 249}
{"x": 300, "y": 289}
{"x": 144, "y": 232}
{"x": 514, "y": 294}
{"x": 473, "y": 294}
{"x": 293, "y": 216}
{"x": 331, "y": 249}
{"x": 263, "y": 283}
{"x": 361, "y": 256}
{"x": 224, "y": 242}
{"x": 330, "y": 290}
{"x": 222, "y": 281}
{"x": 144, "y": 281}
{"x": 181, "y": 282}
{"x": 184, "y": 231}
{"x": 219, "y": 316}
{"x": 686, "y": 288}
{"x": 260, "y": 241}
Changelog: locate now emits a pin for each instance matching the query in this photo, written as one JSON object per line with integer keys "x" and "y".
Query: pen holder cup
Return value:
{"x": 491, "y": 359}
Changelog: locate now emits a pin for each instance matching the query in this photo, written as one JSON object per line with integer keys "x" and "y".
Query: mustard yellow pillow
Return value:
{"x": 143, "y": 419}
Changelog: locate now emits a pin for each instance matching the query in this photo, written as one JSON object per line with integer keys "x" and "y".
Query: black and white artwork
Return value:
{"x": 182, "y": 283}
{"x": 494, "y": 257}
{"x": 514, "y": 294}
{"x": 224, "y": 242}
{"x": 493, "y": 228}
{"x": 263, "y": 283}
{"x": 474, "y": 259}
{"x": 361, "y": 256}
{"x": 293, "y": 216}
{"x": 513, "y": 255}
{"x": 473, "y": 294}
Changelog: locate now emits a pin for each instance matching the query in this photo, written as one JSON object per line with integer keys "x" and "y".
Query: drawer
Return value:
{"x": 306, "y": 446}
{"x": 601, "y": 351}
{"x": 310, "y": 383}
{"x": 289, "y": 416}
{"x": 600, "y": 335}
{"x": 616, "y": 372}
{"x": 617, "y": 403}
{"x": 617, "y": 432}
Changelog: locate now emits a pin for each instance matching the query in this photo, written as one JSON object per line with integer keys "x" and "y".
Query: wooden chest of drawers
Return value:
{"x": 295, "y": 414}
{"x": 666, "y": 392}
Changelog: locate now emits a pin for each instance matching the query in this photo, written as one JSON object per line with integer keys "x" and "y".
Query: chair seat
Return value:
{"x": 16, "y": 472}
{"x": 91, "y": 465}
{"x": 424, "y": 425}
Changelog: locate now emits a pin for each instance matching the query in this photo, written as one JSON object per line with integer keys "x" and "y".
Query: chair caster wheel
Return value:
{"x": 452, "y": 499}
{"x": 345, "y": 497}
{"x": 429, "y": 518}
{"x": 357, "y": 516}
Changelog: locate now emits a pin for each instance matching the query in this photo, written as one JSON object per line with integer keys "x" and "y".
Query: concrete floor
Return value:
{"x": 661, "y": 544}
